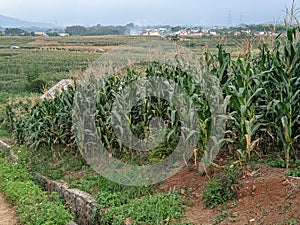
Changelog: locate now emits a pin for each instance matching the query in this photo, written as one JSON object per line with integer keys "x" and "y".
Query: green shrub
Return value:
{"x": 221, "y": 189}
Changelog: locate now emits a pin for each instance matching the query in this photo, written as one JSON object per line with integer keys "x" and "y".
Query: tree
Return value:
{"x": 177, "y": 28}
{"x": 76, "y": 30}
{"x": 15, "y": 32}
{"x": 130, "y": 25}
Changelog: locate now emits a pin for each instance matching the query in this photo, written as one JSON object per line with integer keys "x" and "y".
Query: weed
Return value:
{"x": 293, "y": 222}
{"x": 221, "y": 189}
{"x": 33, "y": 205}
{"x": 295, "y": 172}
{"x": 153, "y": 209}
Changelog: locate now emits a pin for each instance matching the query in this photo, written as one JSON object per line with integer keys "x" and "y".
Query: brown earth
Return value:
{"x": 265, "y": 196}
{"x": 7, "y": 213}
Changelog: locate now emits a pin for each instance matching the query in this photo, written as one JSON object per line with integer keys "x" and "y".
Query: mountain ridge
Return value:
{"x": 6, "y": 21}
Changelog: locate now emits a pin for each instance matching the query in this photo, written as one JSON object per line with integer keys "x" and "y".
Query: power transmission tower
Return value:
{"x": 241, "y": 18}
{"x": 229, "y": 19}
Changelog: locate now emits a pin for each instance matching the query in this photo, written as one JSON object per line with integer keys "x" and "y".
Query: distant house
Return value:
{"x": 197, "y": 34}
{"x": 151, "y": 33}
{"x": 246, "y": 31}
{"x": 260, "y": 33}
{"x": 154, "y": 33}
{"x": 39, "y": 33}
{"x": 63, "y": 35}
{"x": 185, "y": 32}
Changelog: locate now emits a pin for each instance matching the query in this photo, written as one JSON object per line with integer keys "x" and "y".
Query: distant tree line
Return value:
{"x": 22, "y": 32}
{"x": 15, "y": 32}
{"x": 254, "y": 28}
{"x": 98, "y": 30}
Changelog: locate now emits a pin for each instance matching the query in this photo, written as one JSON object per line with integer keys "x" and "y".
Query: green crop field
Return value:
{"x": 259, "y": 78}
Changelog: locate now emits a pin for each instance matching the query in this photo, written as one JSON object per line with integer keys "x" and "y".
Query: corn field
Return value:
{"x": 263, "y": 112}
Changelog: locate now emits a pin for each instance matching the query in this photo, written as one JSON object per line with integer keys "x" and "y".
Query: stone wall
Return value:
{"x": 81, "y": 204}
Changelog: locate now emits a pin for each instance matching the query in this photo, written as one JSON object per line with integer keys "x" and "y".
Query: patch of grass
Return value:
{"x": 222, "y": 217}
{"x": 33, "y": 204}
{"x": 294, "y": 172}
{"x": 154, "y": 209}
{"x": 95, "y": 184}
{"x": 44, "y": 162}
{"x": 41, "y": 162}
{"x": 3, "y": 132}
{"x": 277, "y": 163}
{"x": 293, "y": 222}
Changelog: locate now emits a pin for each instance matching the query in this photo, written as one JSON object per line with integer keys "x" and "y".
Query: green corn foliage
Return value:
{"x": 47, "y": 124}
{"x": 284, "y": 102}
{"x": 263, "y": 113}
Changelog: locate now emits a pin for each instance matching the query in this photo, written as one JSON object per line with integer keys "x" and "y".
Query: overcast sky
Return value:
{"x": 146, "y": 12}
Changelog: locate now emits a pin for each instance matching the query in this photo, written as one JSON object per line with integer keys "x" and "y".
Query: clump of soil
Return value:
{"x": 265, "y": 196}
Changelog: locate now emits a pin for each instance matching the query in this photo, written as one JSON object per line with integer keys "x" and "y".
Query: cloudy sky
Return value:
{"x": 144, "y": 12}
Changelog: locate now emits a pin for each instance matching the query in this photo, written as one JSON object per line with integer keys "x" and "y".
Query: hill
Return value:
{"x": 6, "y": 21}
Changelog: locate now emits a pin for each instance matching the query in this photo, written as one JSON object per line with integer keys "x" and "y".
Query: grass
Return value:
{"x": 154, "y": 209}
{"x": 115, "y": 202}
{"x": 34, "y": 206}
{"x": 50, "y": 66}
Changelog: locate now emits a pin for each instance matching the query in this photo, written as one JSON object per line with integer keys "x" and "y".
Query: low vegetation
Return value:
{"x": 222, "y": 188}
{"x": 34, "y": 206}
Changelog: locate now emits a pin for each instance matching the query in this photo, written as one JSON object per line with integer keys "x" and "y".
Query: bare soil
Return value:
{"x": 265, "y": 196}
{"x": 7, "y": 213}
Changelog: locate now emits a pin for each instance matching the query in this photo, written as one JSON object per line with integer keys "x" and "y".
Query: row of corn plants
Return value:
{"x": 263, "y": 113}
{"x": 264, "y": 92}
{"x": 43, "y": 124}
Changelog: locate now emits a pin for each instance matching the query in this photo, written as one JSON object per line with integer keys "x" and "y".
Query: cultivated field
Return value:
{"x": 253, "y": 180}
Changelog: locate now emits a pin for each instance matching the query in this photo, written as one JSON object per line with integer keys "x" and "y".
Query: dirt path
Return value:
{"x": 7, "y": 214}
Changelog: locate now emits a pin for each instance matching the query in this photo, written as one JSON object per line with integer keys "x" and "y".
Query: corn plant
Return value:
{"x": 47, "y": 124}
{"x": 284, "y": 104}
{"x": 245, "y": 91}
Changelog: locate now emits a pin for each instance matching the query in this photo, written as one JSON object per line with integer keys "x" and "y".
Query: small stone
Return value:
{"x": 235, "y": 214}
{"x": 128, "y": 221}
{"x": 182, "y": 191}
